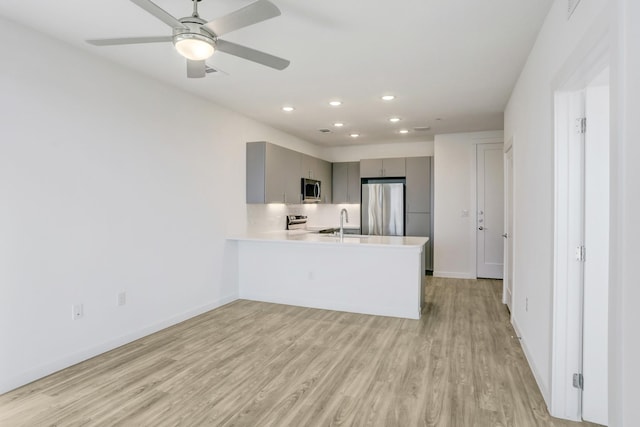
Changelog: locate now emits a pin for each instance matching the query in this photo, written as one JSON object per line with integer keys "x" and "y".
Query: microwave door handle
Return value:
{"x": 316, "y": 190}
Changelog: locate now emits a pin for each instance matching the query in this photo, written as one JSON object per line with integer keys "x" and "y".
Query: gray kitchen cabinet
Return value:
{"x": 314, "y": 168}
{"x": 418, "y": 180}
{"x": 419, "y": 224}
{"x": 308, "y": 167}
{"x": 324, "y": 175}
{"x": 290, "y": 164}
{"x": 376, "y": 168}
{"x": 273, "y": 174}
{"x": 346, "y": 182}
{"x": 419, "y": 192}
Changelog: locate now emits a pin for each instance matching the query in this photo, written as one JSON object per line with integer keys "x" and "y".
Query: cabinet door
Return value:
{"x": 371, "y": 168}
{"x": 353, "y": 182}
{"x": 419, "y": 224}
{"x": 292, "y": 181}
{"x": 341, "y": 182}
{"x": 324, "y": 175}
{"x": 255, "y": 172}
{"x": 274, "y": 174}
{"x": 418, "y": 184}
{"x": 308, "y": 167}
{"x": 394, "y": 167}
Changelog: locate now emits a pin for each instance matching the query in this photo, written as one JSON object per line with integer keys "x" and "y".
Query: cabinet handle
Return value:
{"x": 284, "y": 197}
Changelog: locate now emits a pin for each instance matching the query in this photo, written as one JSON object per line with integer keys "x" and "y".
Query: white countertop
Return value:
{"x": 305, "y": 236}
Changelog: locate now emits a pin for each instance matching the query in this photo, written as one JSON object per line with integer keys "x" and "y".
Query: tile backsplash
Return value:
{"x": 272, "y": 217}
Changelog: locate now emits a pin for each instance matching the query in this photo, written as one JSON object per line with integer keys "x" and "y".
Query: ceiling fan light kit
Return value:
{"x": 195, "y": 47}
{"x": 197, "y": 40}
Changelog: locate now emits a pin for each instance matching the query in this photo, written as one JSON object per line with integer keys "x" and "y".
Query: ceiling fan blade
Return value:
{"x": 256, "y": 12}
{"x": 130, "y": 40}
{"x": 196, "y": 69}
{"x": 252, "y": 55}
{"x": 159, "y": 13}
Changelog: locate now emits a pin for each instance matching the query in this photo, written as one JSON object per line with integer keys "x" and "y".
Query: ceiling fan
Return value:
{"x": 196, "y": 39}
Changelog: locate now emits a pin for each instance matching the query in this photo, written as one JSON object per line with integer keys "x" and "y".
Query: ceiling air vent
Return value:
{"x": 571, "y": 6}
{"x": 422, "y": 128}
{"x": 324, "y": 130}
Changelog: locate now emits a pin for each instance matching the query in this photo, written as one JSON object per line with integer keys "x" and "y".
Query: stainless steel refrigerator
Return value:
{"x": 382, "y": 209}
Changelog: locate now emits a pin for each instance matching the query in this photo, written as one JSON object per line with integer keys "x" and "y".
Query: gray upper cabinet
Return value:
{"x": 314, "y": 168}
{"x": 418, "y": 184}
{"x": 376, "y": 168}
{"x": 346, "y": 182}
{"x": 308, "y": 167}
{"x": 324, "y": 175}
{"x": 273, "y": 174}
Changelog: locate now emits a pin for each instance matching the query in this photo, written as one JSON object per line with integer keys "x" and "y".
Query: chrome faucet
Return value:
{"x": 345, "y": 216}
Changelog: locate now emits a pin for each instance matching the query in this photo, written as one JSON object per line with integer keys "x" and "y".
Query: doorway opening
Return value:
{"x": 580, "y": 327}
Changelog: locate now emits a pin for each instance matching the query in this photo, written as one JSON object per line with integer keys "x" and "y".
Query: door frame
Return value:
{"x": 587, "y": 62}
{"x": 509, "y": 216}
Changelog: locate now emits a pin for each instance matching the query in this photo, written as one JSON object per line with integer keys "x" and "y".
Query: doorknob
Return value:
{"x": 505, "y": 235}
{"x": 481, "y": 228}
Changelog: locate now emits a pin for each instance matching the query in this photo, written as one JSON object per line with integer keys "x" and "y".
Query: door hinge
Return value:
{"x": 578, "y": 381}
{"x": 581, "y": 253}
{"x": 581, "y": 125}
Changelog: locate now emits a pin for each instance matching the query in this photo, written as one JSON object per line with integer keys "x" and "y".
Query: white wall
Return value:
{"x": 109, "y": 182}
{"x": 454, "y": 192}
{"x": 529, "y": 122}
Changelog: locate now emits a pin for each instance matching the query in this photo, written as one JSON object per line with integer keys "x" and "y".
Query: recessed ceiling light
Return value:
{"x": 288, "y": 109}
{"x": 388, "y": 97}
{"x": 354, "y": 135}
{"x": 404, "y": 131}
{"x": 338, "y": 124}
{"x": 335, "y": 103}
{"x": 394, "y": 119}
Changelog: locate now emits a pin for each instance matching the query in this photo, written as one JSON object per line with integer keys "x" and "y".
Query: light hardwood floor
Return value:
{"x": 257, "y": 364}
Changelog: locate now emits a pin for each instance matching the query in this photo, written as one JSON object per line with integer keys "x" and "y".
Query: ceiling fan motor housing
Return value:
{"x": 194, "y": 26}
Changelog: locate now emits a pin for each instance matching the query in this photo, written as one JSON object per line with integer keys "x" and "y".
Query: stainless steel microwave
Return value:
{"x": 311, "y": 191}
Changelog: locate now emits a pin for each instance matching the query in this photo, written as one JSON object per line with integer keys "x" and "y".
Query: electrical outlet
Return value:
{"x": 77, "y": 312}
{"x": 122, "y": 298}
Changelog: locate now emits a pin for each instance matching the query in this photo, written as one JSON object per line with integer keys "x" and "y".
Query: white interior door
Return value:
{"x": 490, "y": 211}
{"x": 508, "y": 227}
{"x": 596, "y": 264}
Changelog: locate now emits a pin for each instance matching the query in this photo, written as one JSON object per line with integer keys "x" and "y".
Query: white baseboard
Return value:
{"x": 453, "y": 275}
{"x": 26, "y": 377}
{"x": 536, "y": 374}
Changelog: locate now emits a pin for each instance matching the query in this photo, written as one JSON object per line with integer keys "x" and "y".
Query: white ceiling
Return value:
{"x": 451, "y": 63}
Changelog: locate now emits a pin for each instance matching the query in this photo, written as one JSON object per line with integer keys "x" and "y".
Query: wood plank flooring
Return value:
{"x": 257, "y": 364}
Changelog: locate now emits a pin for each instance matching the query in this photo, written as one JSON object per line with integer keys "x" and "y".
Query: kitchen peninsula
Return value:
{"x": 380, "y": 275}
